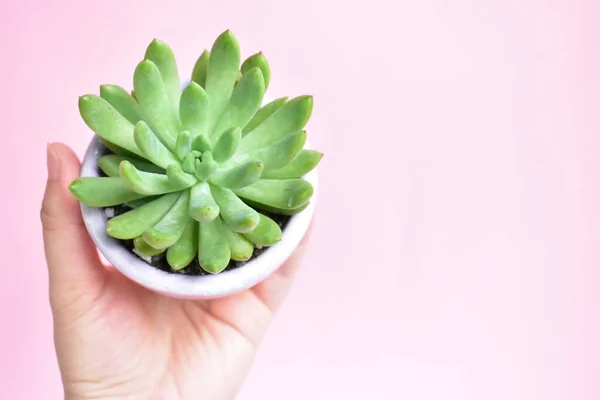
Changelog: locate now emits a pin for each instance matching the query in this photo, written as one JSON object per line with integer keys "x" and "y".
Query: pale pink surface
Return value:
{"x": 455, "y": 254}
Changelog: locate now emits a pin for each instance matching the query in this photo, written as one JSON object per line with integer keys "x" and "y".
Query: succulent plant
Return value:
{"x": 198, "y": 166}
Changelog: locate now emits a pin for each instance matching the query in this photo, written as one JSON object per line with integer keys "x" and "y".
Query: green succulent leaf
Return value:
{"x": 279, "y": 153}
{"x": 181, "y": 254}
{"x": 206, "y": 166}
{"x": 189, "y": 164}
{"x": 275, "y": 210}
{"x": 213, "y": 250}
{"x": 237, "y": 215}
{"x": 237, "y": 175}
{"x": 171, "y": 226}
{"x": 162, "y": 56}
{"x": 266, "y": 233}
{"x": 109, "y": 164}
{"x": 193, "y": 109}
{"x": 183, "y": 145}
{"x": 142, "y": 248}
{"x": 238, "y": 77}
{"x": 223, "y": 67}
{"x": 290, "y": 118}
{"x": 178, "y": 176}
{"x": 302, "y": 164}
{"x": 149, "y": 184}
{"x": 123, "y": 102}
{"x": 202, "y": 171}
{"x": 201, "y": 143}
{"x": 241, "y": 248}
{"x": 152, "y": 95}
{"x": 135, "y": 222}
{"x": 200, "y": 68}
{"x": 203, "y": 207}
{"x": 264, "y": 113}
{"x": 107, "y": 122}
{"x": 152, "y": 148}
{"x": 244, "y": 103}
{"x": 102, "y": 191}
{"x": 227, "y": 144}
{"x": 286, "y": 194}
{"x": 258, "y": 60}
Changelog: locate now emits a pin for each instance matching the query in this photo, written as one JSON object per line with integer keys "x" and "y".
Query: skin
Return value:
{"x": 117, "y": 340}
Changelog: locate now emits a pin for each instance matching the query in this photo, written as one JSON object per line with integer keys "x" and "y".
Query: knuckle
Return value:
{"x": 47, "y": 217}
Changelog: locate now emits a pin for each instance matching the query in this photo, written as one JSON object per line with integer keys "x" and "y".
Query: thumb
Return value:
{"x": 74, "y": 268}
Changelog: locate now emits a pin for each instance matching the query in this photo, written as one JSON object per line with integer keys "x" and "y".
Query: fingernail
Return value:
{"x": 52, "y": 163}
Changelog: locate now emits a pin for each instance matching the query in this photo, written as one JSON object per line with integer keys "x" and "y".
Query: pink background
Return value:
{"x": 456, "y": 250}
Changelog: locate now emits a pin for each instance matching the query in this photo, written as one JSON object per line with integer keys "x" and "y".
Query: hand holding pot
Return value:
{"x": 115, "y": 339}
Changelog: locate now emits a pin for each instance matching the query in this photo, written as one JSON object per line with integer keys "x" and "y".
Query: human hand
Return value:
{"x": 117, "y": 340}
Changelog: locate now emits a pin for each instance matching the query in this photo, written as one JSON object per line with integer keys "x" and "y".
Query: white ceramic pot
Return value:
{"x": 186, "y": 286}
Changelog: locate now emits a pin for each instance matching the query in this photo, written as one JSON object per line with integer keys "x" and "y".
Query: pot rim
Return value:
{"x": 191, "y": 286}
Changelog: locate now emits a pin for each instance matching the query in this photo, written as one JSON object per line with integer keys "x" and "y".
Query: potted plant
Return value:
{"x": 197, "y": 192}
